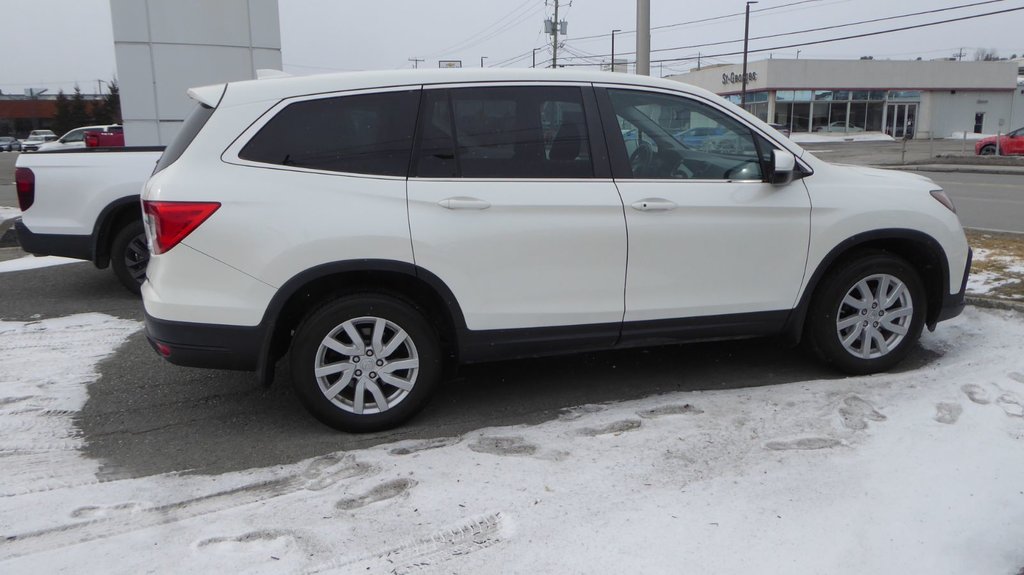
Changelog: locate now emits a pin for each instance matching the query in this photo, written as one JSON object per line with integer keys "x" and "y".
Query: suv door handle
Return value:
{"x": 654, "y": 205}
{"x": 463, "y": 203}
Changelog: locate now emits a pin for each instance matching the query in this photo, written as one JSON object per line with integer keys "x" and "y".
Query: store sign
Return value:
{"x": 735, "y": 78}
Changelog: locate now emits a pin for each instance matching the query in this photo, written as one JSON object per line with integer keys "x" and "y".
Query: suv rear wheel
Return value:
{"x": 365, "y": 362}
{"x": 867, "y": 313}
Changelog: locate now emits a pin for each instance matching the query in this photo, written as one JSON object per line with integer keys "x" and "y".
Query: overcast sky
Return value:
{"x": 57, "y": 43}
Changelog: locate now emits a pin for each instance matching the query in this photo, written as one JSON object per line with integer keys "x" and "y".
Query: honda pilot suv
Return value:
{"x": 379, "y": 227}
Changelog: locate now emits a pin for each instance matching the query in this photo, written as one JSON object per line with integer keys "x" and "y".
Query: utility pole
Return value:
{"x": 746, "y": 39}
{"x": 534, "y": 65}
{"x": 416, "y": 62}
{"x": 698, "y": 60}
{"x": 643, "y": 37}
{"x": 613, "y": 48}
{"x": 554, "y": 27}
{"x": 482, "y": 58}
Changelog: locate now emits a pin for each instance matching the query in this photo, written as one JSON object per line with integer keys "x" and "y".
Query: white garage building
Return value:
{"x": 917, "y": 98}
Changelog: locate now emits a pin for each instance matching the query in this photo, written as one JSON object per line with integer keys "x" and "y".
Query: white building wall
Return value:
{"x": 165, "y": 47}
{"x": 955, "y": 112}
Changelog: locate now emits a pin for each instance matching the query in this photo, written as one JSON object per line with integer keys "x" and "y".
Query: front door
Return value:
{"x": 506, "y": 208}
{"x": 901, "y": 120}
{"x": 707, "y": 235}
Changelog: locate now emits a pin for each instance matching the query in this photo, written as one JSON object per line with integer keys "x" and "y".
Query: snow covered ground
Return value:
{"x": 916, "y": 472}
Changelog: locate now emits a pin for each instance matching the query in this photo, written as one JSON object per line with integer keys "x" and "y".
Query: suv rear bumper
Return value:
{"x": 69, "y": 246}
{"x": 206, "y": 345}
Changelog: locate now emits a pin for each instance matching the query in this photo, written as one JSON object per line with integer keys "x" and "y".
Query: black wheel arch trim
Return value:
{"x": 948, "y": 302}
{"x": 292, "y": 286}
{"x": 103, "y": 233}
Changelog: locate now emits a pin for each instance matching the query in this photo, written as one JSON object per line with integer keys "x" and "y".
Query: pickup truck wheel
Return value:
{"x": 129, "y": 256}
{"x": 867, "y": 314}
{"x": 365, "y": 362}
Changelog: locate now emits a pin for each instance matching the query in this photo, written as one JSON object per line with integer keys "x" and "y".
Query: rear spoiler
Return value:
{"x": 208, "y": 95}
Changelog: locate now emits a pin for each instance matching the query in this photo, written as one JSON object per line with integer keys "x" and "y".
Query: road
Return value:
{"x": 983, "y": 201}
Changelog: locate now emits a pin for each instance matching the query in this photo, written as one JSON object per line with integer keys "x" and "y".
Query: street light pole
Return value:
{"x": 613, "y": 48}
{"x": 746, "y": 39}
{"x": 482, "y": 58}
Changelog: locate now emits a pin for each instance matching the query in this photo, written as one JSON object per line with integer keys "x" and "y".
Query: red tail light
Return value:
{"x": 25, "y": 182}
{"x": 171, "y": 222}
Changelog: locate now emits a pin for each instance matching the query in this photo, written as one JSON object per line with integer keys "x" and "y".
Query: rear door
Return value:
{"x": 707, "y": 235}
{"x": 513, "y": 207}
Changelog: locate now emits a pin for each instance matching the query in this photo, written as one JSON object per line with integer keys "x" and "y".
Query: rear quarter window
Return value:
{"x": 189, "y": 130}
{"x": 362, "y": 134}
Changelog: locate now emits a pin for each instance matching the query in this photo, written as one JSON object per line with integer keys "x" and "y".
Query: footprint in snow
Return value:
{"x": 424, "y": 445}
{"x": 574, "y": 413}
{"x": 101, "y": 511}
{"x": 804, "y": 444}
{"x": 672, "y": 409}
{"x": 273, "y": 542}
{"x": 611, "y": 428}
{"x": 976, "y": 393}
{"x": 327, "y": 470}
{"x": 1011, "y": 405}
{"x": 948, "y": 413}
{"x": 494, "y": 445}
{"x": 384, "y": 491}
{"x": 856, "y": 412}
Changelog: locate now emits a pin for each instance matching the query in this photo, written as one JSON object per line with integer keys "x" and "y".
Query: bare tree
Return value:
{"x": 986, "y": 55}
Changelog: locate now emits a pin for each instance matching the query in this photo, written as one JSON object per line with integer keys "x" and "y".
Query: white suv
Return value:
{"x": 378, "y": 226}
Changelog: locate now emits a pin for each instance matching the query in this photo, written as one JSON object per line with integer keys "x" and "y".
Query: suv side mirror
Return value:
{"x": 783, "y": 167}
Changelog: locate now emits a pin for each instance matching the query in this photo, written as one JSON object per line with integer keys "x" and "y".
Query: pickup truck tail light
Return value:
{"x": 25, "y": 182}
{"x": 168, "y": 223}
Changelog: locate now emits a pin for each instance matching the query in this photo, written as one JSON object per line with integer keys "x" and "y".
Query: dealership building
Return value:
{"x": 918, "y": 99}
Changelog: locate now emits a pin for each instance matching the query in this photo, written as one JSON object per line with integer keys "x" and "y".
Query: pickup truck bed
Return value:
{"x": 84, "y": 203}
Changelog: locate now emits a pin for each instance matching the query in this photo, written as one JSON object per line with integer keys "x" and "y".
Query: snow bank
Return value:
{"x": 913, "y": 472}
{"x": 820, "y": 137}
{"x": 970, "y": 136}
{"x": 8, "y": 213}
{"x": 33, "y": 262}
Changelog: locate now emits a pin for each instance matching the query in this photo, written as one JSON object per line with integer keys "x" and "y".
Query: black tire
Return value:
{"x": 129, "y": 256}
{"x": 829, "y": 315}
{"x": 309, "y": 351}
{"x": 989, "y": 150}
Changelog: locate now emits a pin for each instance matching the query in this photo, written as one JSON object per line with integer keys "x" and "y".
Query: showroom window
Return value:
{"x": 362, "y": 134}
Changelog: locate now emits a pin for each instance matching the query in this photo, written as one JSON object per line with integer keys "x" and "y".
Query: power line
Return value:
{"x": 513, "y": 18}
{"x": 822, "y": 28}
{"x": 839, "y": 39}
{"x": 700, "y": 21}
{"x": 864, "y": 35}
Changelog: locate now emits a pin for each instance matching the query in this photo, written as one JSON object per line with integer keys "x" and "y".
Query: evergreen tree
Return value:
{"x": 62, "y": 117}
{"x": 112, "y": 102}
{"x": 78, "y": 114}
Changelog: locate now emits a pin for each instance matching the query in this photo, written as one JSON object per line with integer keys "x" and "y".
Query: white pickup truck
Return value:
{"x": 84, "y": 204}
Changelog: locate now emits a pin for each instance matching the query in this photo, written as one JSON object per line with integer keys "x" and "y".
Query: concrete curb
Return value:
{"x": 993, "y": 303}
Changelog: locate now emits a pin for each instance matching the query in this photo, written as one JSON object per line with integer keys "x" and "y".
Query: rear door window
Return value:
{"x": 360, "y": 134}
{"x": 505, "y": 132}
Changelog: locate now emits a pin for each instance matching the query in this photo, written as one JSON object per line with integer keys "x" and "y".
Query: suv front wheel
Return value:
{"x": 365, "y": 362}
{"x": 867, "y": 313}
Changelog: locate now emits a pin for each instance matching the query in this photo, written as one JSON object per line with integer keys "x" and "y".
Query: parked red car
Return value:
{"x": 1009, "y": 144}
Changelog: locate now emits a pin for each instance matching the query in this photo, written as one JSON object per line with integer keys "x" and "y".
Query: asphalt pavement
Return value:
{"x": 145, "y": 416}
